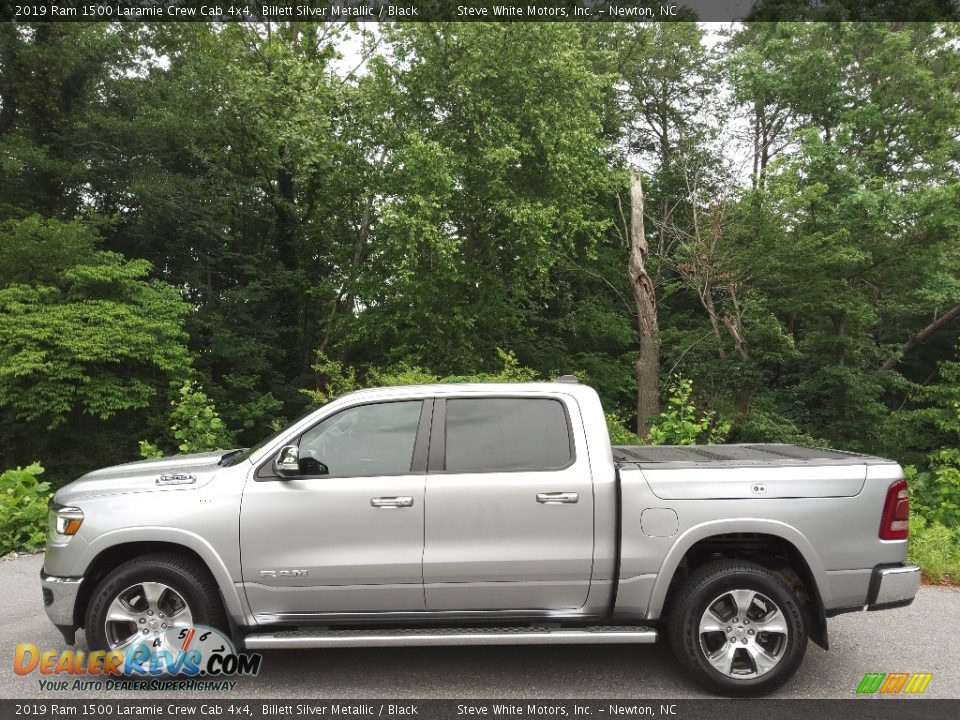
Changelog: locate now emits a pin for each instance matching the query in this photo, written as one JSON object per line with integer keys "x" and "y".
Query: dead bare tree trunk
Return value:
{"x": 647, "y": 366}
{"x": 919, "y": 337}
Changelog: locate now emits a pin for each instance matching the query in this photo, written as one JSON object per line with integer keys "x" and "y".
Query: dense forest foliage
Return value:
{"x": 246, "y": 218}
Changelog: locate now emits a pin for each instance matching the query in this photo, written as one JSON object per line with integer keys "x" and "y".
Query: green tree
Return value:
{"x": 235, "y": 198}
{"x": 491, "y": 180}
{"x": 851, "y": 236}
{"x": 50, "y": 76}
{"x": 85, "y": 336}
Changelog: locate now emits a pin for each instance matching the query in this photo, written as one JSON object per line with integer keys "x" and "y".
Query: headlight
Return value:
{"x": 64, "y": 520}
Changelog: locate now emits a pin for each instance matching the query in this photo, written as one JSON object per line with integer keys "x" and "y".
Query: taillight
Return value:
{"x": 895, "y": 522}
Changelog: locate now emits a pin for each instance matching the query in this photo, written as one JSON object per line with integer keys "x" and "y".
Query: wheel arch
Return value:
{"x": 778, "y": 546}
{"x": 116, "y": 548}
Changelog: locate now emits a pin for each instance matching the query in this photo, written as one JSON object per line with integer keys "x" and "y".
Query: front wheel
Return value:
{"x": 144, "y": 598}
{"x": 738, "y": 628}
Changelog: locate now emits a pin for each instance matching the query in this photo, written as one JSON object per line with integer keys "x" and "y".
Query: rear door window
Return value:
{"x": 507, "y": 434}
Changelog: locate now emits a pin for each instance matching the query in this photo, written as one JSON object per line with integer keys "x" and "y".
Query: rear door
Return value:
{"x": 509, "y": 505}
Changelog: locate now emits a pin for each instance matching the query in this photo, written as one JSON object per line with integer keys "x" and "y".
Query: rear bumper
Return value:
{"x": 893, "y": 586}
{"x": 59, "y": 600}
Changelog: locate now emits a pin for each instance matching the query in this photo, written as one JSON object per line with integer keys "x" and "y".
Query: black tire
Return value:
{"x": 186, "y": 576}
{"x": 700, "y": 591}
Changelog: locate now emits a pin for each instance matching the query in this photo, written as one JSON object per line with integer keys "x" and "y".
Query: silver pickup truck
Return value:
{"x": 484, "y": 514}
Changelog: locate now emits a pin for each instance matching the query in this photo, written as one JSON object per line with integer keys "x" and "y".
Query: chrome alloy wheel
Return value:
{"x": 144, "y": 613}
{"x": 743, "y": 634}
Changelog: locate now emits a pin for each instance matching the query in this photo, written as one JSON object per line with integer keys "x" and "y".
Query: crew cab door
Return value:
{"x": 509, "y": 505}
{"x": 346, "y": 535}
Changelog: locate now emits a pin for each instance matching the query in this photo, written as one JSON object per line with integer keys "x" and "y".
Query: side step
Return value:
{"x": 331, "y": 638}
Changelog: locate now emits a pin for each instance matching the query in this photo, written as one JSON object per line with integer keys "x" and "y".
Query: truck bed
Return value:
{"x": 745, "y": 455}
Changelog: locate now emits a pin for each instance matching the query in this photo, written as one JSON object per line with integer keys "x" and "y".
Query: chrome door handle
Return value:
{"x": 391, "y": 502}
{"x": 552, "y": 498}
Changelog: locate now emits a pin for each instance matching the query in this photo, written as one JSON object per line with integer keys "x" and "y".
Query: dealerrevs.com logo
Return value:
{"x": 894, "y": 683}
{"x": 180, "y": 657}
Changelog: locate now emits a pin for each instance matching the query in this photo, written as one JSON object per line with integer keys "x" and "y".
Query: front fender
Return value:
{"x": 149, "y": 534}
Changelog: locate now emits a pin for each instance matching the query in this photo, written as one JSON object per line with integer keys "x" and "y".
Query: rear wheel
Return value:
{"x": 145, "y": 597}
{"x": 738, "y": 628}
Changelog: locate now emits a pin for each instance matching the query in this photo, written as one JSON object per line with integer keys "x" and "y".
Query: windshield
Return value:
{"x": 237, "y": 456}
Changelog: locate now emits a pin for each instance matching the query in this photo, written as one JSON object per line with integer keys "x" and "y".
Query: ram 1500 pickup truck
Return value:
{"x": 484, "y": 514}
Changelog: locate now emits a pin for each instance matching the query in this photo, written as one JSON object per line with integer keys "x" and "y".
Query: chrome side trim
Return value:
{"x": 451, "y": 636}
{"x": 423, "y": 616}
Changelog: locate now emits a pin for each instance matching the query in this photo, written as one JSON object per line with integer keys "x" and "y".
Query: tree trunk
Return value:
{"x": 840, "y": 357}
{"x": 919, "y": 337}
{"x": 706, "y": 299}
{"x": 647, "y": 366}
{"x": 743, "y": 398}
{"x": 735, "y": 329}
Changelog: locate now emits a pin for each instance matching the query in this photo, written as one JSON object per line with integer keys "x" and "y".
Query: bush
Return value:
{"x": 935, "y": 492}
{"x": 194, "y": 423}
{"x": 150, "y": 451}
{"x": 681, "y": 423}
{"x": 333, "y": 380}
{"x": 620, "y": 434}
{"x": 23, "y": 509}
{"x": 935, "y": 548}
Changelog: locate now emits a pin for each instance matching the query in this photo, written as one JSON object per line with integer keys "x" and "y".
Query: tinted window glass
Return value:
{"x": 362, "y": 441}
{"x": 506, "y": 434}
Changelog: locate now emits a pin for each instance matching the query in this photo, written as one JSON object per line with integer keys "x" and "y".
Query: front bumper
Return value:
{"x": 59, "y": 600}
{"x": 893, "y": 586}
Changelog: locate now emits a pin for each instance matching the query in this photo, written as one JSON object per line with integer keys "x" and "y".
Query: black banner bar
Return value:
{"x": 477, "y": 10}
{"x": 872, "y": 708}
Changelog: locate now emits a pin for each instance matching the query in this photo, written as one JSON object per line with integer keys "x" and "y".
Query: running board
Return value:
{"x": 403, "y": 637}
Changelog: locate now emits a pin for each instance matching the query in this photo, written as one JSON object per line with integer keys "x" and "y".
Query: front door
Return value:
{"x": 347, "y": 534}
{"x": 509, "y": 505}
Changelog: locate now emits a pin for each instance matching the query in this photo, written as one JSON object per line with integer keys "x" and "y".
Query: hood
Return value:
{"x": 142, "y": 476}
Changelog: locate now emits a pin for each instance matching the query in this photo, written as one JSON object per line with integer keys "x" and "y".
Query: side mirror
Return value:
{"x": 287, "y": 463}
